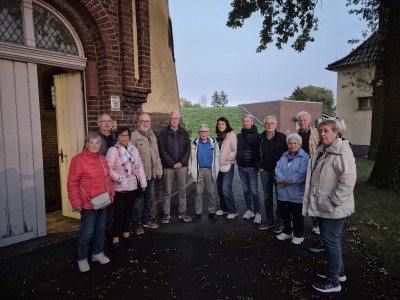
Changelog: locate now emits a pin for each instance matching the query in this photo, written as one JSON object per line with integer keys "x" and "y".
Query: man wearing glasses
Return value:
{"x": 204, "y": 168}
{"x": 108, "y": 139}
{"x": 174, "y": 146}
{"x": 146, "y": 141}
{"x": 107, "y": 136}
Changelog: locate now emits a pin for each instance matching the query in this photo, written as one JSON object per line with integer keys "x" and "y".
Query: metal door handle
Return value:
{"x": 61, "y": 155}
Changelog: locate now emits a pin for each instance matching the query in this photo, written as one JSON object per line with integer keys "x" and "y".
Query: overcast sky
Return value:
{"x": 212, "y": 57}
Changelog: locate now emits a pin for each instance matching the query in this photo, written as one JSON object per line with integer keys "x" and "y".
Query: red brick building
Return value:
{"x": 285, "y": 112}
{"x": 62, "y": 64}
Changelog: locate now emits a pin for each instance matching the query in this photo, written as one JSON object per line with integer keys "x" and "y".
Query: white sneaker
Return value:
{"x": 315, "y": 230}
{"x": 249, "y": 214}
{"x": 101, "y": 258}
{"x": 231, "y": 216}
{"x": 257, "y": 219}
{"x": 83, "y": 265}
{"x": 297, "y": 241}
{"x": 220, "y": 212}
{"x": 283, "y": 236}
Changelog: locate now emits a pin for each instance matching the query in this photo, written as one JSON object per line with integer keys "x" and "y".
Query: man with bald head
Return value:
{"x": 145, "y": 140}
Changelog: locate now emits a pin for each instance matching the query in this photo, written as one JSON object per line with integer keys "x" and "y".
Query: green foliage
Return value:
{"x": 283, "y": 19}
{"x": 376, "y": 219}
{"x": 315, "y": 94}
{"x": 187, "y": 103}
{"x": 193, "y": 117}
{"x": 296, "y": 19}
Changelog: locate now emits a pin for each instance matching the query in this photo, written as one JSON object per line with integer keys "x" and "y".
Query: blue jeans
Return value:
{"x": 224, "y": 188}
{"x": 268, "y": 184}
{"x": 144, "y": 216}
{"x": 249, "y": 179}
{"x": 93, "y": 226}
{"x": 331, "y": 237}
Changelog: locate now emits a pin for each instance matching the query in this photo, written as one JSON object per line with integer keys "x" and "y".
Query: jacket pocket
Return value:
{"x": 324, "y": 204}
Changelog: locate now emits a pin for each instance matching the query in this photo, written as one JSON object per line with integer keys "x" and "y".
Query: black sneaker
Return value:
{"x": 342, "y": 278}
{"x": 317, "y": 247}
{"x": 197, "y": 217}
{"x": 211, "y": 216}
{"x": 266, "y": 225}
{"x": 325, "y": 286}
{"x": 277, "y": 228}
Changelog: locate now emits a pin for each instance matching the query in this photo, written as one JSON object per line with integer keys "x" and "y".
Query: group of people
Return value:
{"x": 125, "y": 164}
{"x": 312, "y": 171}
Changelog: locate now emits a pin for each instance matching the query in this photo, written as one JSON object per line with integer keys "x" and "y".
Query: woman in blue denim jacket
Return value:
{"x": 290, "y": 176}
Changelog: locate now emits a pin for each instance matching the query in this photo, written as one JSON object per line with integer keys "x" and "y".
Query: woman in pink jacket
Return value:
{"x": 88, "y": 177}
{"x": 126, "y": 170}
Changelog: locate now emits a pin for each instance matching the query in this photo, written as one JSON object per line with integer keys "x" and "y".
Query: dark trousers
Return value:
{"x": 292, "y": 213}
{"x": 123, "y": 202}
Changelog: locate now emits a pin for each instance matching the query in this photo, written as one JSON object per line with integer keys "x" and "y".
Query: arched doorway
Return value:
{"x": 41, "y": 58}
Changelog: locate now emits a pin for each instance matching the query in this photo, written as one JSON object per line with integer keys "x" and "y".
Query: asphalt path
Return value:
{"x": 223, "y": 259}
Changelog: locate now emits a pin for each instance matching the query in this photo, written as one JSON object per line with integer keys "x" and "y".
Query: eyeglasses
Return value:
{"x": 105, "y": 121}
{"x": 204, "y": 131}
{"x": 145, "y": 121}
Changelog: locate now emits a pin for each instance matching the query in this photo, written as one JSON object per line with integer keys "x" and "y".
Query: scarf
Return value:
{"x": 220, "y": 137}
{"x": 127, "y": 159}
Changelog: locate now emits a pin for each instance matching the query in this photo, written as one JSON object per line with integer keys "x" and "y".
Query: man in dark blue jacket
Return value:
{"x": 245, "y": 158}
{"x": 174, "y": 146}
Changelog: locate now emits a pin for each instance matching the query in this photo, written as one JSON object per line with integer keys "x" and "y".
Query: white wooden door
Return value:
{"x": 70, "y": 128}
{"x": 22, "y": 205}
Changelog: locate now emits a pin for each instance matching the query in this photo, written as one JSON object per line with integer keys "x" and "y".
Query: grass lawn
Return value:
{"x": 377, "y": 220}
{"x": 193, "y": 117}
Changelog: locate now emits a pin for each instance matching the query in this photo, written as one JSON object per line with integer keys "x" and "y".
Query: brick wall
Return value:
{"x": 285, "y": 111}
{"x": 105, "y": 28}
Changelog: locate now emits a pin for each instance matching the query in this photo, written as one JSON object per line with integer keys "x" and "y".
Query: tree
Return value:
{"x": 315, "y": 94}
{"x": 223, "y": 98}
{"x": 186, "y": 103}
{"x": 215, "y": 101}
{"x": 203, "y": 101}
{"x": 296, "y": 19}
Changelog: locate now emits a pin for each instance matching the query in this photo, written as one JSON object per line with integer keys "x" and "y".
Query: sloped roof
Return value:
{"x": 367, "y": 52}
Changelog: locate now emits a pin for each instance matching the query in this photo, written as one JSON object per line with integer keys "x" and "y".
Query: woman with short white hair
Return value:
{"x": 290, "y": 176}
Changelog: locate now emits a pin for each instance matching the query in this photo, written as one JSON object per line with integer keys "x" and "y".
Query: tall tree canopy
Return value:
{"x": 315, "y": 94}
{"x": 296, "y": 20}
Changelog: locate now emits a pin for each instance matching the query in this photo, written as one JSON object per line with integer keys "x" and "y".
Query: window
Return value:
{"x": 11, "y": 21}
{"x": 51, "y": 33}
{"x": 364, "y": 103}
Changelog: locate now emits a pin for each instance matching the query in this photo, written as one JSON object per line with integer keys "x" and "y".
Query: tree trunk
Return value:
{"x": 386, "y": 171}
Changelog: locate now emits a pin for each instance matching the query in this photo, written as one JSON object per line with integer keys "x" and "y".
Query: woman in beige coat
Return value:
{"x": 331, "y": 177}
{"x": 227, "y": 142}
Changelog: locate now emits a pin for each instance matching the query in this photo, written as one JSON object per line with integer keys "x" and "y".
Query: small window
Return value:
{"x": 364, "y": 103}
{"x": 11, "y": 21}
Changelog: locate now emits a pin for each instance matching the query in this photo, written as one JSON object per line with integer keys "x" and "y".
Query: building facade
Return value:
{"x": 285, "y": 112}
{"x": 355, "y": 73}
{"x": 62, "y": 63}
